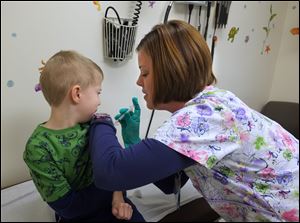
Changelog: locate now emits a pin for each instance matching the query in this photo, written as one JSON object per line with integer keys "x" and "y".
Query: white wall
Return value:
{"x": 285, "y": 85}
{"x": 31, "y": 31}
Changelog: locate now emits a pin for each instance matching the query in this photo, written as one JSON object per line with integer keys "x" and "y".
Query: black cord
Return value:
{"x": 199, "y": 26}
{"x": 137, "y": 13}
{"x": 149, "y": 123}
{"x": 207, "y": 18}
{"x": 110, "y": 7}
{"x": 168, "y": 11}
{"x": 191, "y": 6}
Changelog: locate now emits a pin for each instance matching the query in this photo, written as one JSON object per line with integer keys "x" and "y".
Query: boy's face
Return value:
{"x": 89, "y": 102}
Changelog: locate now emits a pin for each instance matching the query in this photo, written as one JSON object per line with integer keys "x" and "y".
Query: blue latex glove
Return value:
{"x": 130, "y": 123}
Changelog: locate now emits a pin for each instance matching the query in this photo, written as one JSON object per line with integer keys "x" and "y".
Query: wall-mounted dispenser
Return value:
{"x": 119, "y": 34}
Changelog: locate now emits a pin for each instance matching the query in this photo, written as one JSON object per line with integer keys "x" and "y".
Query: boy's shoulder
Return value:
{"x": 42, "y": 135}
{"x": 37, "y": 133}
{"x": 37, "y": 138}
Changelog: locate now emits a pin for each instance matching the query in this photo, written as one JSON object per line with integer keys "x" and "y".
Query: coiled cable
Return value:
{"x": 137, "y": 13}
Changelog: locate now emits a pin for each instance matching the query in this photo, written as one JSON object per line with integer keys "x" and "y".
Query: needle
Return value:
{"x": 122, "y": 116}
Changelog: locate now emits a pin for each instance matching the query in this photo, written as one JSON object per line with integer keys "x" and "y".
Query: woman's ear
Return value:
{"x": 76, "y": 94}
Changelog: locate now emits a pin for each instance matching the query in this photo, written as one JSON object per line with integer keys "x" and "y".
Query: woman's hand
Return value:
{"x": 130, "y": 122}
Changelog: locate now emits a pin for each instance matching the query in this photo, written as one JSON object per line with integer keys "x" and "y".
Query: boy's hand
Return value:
{"x": 122, "y": 210}
{"x": 130, "y": 123}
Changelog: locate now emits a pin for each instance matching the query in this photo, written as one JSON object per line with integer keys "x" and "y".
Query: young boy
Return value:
{"x": 57, "y": 152}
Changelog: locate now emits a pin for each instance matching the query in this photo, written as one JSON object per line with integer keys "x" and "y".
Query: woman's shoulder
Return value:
{"x": 215, "y": 95}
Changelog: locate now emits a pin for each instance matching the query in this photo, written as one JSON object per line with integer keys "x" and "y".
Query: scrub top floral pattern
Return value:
{"x": 247, "y": 164}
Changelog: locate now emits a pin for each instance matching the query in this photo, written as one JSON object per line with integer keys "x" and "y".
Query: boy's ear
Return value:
{"x": 76, "y": 94}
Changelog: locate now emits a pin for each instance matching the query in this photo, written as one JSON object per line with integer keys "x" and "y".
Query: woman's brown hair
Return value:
{"x": 181, "y": 59}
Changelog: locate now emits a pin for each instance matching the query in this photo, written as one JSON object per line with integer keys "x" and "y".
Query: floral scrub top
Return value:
{"x": 248, "y": 165}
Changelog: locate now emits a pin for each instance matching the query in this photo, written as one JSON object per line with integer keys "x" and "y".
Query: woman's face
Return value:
{"x": 145, "y": 79}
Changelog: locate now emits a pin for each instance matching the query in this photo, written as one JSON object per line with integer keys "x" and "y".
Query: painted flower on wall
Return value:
{"x": 267, "y": 29}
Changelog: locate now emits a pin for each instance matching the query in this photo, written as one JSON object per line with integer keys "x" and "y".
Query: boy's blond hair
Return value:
{"x": 64, "y": 70}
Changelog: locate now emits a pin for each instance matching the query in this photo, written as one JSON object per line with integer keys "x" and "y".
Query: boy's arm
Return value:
{"x": 117, "y": 197}
{"x": 82, "y": 203}
{"x": 120, "y": 209}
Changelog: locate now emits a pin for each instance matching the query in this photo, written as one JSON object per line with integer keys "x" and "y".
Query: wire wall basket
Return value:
{"x": 119, "y": 37}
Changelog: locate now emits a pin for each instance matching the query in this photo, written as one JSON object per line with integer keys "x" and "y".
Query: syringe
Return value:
{"x": 130, "y": 109}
